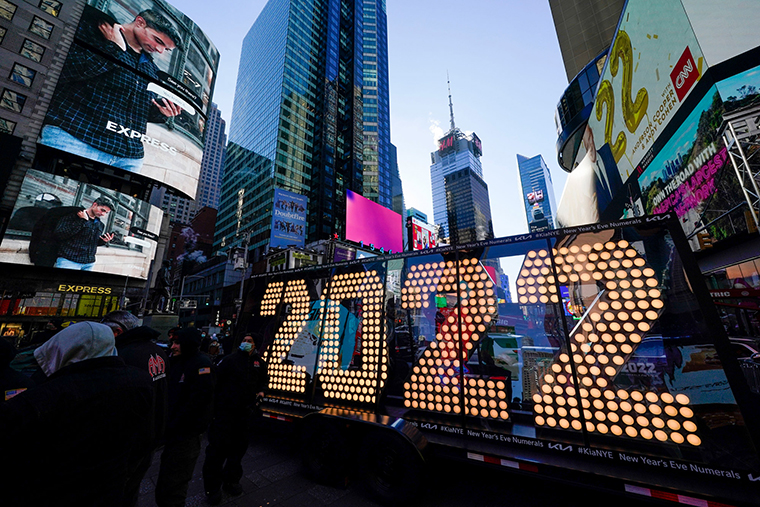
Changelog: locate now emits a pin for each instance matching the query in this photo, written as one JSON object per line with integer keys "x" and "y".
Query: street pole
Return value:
{"x": 245, "y": 269}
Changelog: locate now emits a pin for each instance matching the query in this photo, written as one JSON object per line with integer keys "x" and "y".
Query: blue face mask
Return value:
{"x": 246, "y": 347}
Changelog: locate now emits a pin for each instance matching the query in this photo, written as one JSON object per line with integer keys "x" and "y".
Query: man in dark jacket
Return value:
{"x": 137, "y": 348}
{"x": 80, "y": 234}
{"x": 241, "y": 379}
{"x": 12, "y": 382}
{"x": 191, "y": 397}
{"x": 71, "y": 438}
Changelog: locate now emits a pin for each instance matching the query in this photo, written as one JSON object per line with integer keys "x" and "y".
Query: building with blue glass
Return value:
{"x": 183, "y": 210}
{"x": 537, "y": 193}
{"x": 460, "y": 154}
{"x": 310, "y": 116}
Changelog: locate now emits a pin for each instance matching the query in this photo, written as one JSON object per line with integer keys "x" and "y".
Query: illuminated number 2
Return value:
{"x": 435, "y": 384}
{"x": 283, "y": 376}
{"x": 600, "y": 345}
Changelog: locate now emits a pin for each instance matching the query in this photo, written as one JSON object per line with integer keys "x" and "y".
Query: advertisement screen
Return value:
{"x": 687, "y": 174}
{"x": 654, "y": 64}
{"x": 60, "y": 222}
{"x": 134, "y": 91}
{"x": 423, "y": 235}
{"x": 724, "y": 29}
{"x": 288, "y": 219}
{"x": 373, "y": 224}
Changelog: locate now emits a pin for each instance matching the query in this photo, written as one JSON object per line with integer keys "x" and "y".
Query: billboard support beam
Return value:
{"x": 742, "y": 168}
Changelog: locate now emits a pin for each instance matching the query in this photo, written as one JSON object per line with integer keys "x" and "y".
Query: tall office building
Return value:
{"x": 312, "y": 94}
{"x": 460, "y": 196}
{"x": 210, "y": 180}
{"x": 377, "y": 159}
{"x": 537, "y": 193}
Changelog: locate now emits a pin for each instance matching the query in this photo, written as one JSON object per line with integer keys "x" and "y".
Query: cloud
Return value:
{"x": 436, "y": 130}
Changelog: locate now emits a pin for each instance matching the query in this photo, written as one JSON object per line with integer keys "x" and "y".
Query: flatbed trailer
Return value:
{"x": 602, "y": 362}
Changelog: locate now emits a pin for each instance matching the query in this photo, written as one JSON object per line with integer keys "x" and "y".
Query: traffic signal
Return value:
{"x": 705, "y": 240}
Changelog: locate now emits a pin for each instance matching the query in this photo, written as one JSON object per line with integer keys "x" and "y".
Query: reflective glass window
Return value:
{"x": 7, "y": 10}
{"x": 51, "y": 7}
{"x": 12, "y": 100}
{"x": 32, "y": 50}
{"x": 7, "y": 126}
{"x": 41, "y": 27}
{"x": 22, "y": 74}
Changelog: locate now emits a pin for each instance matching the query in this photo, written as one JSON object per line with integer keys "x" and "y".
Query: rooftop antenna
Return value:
{"x": 451, "y": 105}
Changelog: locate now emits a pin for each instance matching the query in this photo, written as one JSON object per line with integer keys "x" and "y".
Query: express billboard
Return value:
{"x": 63, "y": 223}
{"x": 288, "y": 219}
{"x": 373, "y": 224}
{"x": 134, "y": 91}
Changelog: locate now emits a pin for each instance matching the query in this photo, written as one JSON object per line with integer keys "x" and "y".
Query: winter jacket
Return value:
{"x": 136, "y": 348}
{"x": 71, "y": 439}
{"x": 240, "y": 377}
{"x": 191, "y": 388}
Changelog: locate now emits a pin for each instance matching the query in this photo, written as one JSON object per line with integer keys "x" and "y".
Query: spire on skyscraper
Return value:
{"x": 451, "y": 105}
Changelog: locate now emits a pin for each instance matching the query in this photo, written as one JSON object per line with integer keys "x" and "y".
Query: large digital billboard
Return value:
{"x": 288, "y": 219}
{"x": 653, "y": 142}
{"x": 63, "y": 223}
{"x": 654, "y": 63}
{"x": 134, "y": 91}
{"x": 373, "y": 224}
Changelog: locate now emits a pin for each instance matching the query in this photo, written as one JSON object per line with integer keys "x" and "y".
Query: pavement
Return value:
{"x": 274, "y": 477}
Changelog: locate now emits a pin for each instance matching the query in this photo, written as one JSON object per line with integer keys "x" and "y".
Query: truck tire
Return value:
{"x": 326, "y": 453}
{"x": 391, "y": 467}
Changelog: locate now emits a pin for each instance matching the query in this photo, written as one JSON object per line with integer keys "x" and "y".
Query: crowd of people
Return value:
{"x": 84, "y": 428}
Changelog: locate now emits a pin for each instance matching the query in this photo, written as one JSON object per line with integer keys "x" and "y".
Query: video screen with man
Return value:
{"x": 134, "y": 92}
{"x": 62, "y": 223}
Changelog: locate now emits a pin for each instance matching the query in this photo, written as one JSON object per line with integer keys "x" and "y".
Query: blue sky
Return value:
{"x": 506, "y": 79}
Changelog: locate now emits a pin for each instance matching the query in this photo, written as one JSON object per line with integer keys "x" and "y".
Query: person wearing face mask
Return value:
{"x": 242, "y": 379}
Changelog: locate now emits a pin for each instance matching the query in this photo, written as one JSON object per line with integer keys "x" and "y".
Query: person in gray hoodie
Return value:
{"x": 71, "y": 439}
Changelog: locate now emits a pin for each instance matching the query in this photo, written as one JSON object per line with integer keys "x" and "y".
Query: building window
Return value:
{"x": 32, "y": 50}
{"x": 7, "y": 126}
{"x": 51, "y": 7}
{"x": 22, "y": 75}
{"x": 7, "y": 10}
{"x": 40, "y": 27}
{"x": 2, "y": 34}
{"x": 12, "y": 100}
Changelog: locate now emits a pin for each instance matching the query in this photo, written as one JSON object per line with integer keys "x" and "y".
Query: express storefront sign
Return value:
{"x": 84, "y": 289}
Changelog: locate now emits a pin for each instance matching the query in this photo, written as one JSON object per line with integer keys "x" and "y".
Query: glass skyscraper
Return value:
{"x": 310, "y": 116}
{"x": 468, "y": 208}
{"x": 537, "y": 193}
{"x": 460, "y": 154}
{"x": 210, "y": 179}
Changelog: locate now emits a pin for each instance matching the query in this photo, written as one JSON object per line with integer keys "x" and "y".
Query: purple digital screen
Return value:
{"x": 373, "y": 224}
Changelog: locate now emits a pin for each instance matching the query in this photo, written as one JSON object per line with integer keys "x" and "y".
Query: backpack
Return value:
{"x": 43, "y": 247}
